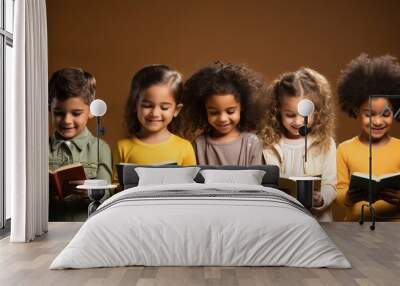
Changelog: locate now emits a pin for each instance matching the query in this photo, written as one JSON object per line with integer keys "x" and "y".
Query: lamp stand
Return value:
{"x": 395, "y": 116}
{"x": 305, "y": 137}
{"x": 369, "y": 205}
{"x": 98, "y": 128}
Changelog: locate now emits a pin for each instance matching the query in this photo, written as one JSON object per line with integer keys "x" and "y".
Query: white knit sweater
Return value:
{"x": 317, "y": 163}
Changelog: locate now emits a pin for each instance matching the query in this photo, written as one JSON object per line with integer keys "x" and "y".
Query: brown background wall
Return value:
{"x": 113, "y": 39}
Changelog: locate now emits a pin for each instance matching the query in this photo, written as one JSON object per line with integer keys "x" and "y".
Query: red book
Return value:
{"x": 64, "y": 179}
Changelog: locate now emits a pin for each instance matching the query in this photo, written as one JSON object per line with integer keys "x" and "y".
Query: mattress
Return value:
{"x": 201, "y": 225}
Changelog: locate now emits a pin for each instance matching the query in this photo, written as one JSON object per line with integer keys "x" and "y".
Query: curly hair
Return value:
{"x": 72, "y": 82}
{"x": 310, "y": 84}
{"x": 366, "y": 76}
{"x": 247, "y": 86}
{"x": 141, "y": 81}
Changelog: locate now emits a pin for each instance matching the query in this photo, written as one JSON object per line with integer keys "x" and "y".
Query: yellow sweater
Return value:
{"x": 175, "y": 149}
{"x": 353, "y": 156}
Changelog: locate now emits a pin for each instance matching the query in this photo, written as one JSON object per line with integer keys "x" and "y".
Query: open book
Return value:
{"x": 289, "y": 185}
{"x": 64, "y": 179}
{"x": 359, "y": 183}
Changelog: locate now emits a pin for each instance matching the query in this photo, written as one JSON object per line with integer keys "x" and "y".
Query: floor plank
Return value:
{"x": 375, "y": 257}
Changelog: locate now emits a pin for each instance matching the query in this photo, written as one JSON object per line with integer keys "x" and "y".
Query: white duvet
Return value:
{"x": 184, "y": 230}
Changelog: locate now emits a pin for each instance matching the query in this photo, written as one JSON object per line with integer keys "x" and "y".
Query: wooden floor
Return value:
{"x": 374, "y": 255}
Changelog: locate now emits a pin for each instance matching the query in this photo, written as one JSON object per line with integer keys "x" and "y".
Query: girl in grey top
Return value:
{"x": 224, "y": 103}
{"x": 246, "y": 150}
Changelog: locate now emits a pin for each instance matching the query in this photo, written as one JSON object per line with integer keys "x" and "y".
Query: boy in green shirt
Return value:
{"x": 71, "y": 90}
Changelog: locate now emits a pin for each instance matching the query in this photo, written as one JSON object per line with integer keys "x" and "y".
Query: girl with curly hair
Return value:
{"x": 154, "y": 101}
{"x": 284, "y": 146}
{"x": 362, "y": 77}
{"x": 223, "y": 104}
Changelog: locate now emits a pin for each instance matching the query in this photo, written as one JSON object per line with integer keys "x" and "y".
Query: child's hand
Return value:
{"x": 391, "y": 196}
{"x": 353, "y": 197}
{"x": 317, "y": 199}
{"x": 81, "y": 193}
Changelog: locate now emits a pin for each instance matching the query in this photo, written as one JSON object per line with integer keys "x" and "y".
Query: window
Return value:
{"x": 6, "y": 60}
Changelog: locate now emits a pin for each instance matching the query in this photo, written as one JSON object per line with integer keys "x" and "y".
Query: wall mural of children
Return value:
{"x": 284, "y": 146}
{"x": 154, "y": 101}
{"x": 222, "y": 106}
{"x": 71, "y": 90}
{"x": 362, "y": 77}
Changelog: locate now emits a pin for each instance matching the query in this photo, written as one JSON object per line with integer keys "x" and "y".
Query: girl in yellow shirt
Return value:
{"x": 366, "y": 76}
{"x": 154, "y": 101}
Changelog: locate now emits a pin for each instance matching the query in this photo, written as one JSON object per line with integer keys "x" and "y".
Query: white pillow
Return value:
{"x": 248, "y": 177}
{"x": 166, "y": 176}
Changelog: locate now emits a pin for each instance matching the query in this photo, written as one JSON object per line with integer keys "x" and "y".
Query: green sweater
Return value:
{"x": 83, "y": 149}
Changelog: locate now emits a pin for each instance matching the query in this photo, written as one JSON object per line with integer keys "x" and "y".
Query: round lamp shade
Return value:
{"x": 305, "y": 107}
{"x": 98, "y": 107}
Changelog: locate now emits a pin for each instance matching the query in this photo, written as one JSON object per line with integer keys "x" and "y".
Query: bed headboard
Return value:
{"x": 128, "y": 178}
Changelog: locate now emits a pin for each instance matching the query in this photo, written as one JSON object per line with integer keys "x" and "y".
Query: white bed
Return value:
{"x": 201, "y": 224}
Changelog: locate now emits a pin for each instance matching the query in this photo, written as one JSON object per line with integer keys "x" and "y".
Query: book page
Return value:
{"x": 366, "y": 176}
{"x": 305, "y": 178}
{"x": 389, "y": 175}
{"x": 66, "y": 167}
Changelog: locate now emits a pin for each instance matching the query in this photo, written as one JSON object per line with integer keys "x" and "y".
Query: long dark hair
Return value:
{"x": 141, "y": 81}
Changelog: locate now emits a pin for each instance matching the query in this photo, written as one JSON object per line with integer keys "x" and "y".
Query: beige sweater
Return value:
{"x": 322, "y": 163}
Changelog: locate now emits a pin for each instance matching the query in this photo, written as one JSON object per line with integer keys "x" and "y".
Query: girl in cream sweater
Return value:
{"x": 284, "y": 146}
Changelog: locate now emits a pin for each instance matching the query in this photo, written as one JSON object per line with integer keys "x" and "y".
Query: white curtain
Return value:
{"x": 26, "y": 124}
